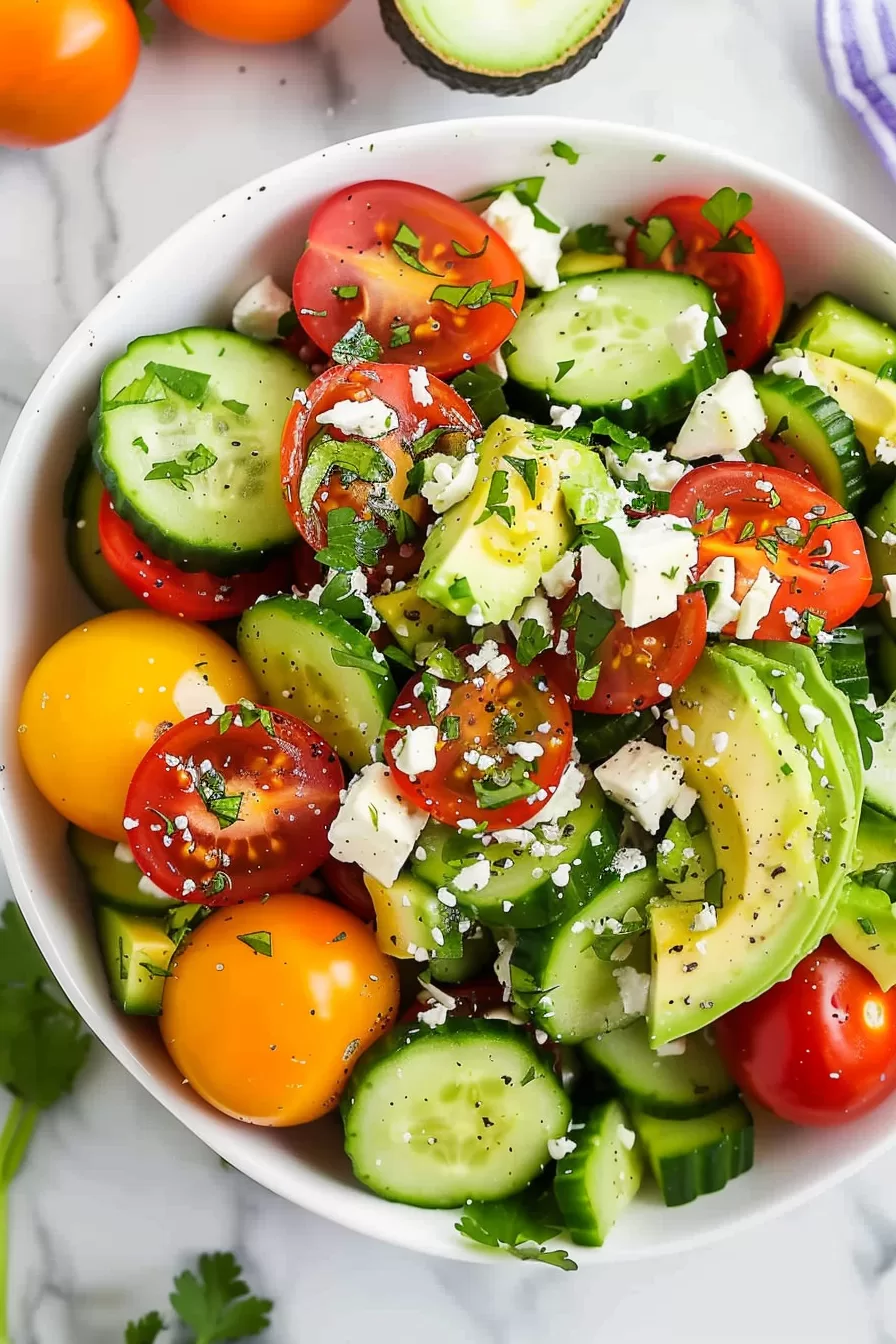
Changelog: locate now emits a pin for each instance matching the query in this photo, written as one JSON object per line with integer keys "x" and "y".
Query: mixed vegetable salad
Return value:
{"x": 488, "y": 733}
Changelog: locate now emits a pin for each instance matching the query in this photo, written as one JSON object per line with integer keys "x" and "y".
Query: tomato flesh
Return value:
{"x": 362, "y": 263}
{"x": 819, "y": 1048}
{"x": 345, "y": 882}
{"x": 501, "y": 705}
{"x": 223, "y": 816}
{"x": 749, "y": 287}
{"x": 769, "y": 518}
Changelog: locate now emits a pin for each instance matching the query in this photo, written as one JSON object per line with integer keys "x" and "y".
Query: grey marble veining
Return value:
{"x": 116, "y": 1197}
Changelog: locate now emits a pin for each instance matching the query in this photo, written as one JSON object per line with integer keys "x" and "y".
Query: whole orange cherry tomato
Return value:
{"x": 271, "y": 1004}
{"x": 64, "y": 65}
{"x": 256, "y": 20}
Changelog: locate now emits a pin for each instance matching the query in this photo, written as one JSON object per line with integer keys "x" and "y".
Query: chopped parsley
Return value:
{"x": 563, "y": 368}
{"x": 351, "y": 541}
{"x": 720, "y": 522}
{"x": 449, "y": 728}
{"x": 594, "y": 622}
{"x": 564, "y": 151}
{"x": 357, "y": 346}
{"x": 654, "y": 236}
{"x": 345, "y": 291}
{"x": 460, "y": 590}
{"x": 354, "y": 459}
{"x": 238, "y": 407}
{"x": 504, "y": 728}
{"x": 505, "y": 785}
{"x": 724, "y": 211}
{"x": 496, "y": 501}
{"x": 374, "y": 816}
{"x": 624, "y": 442}
{"x": 445, "y": 664}
{"x": 478, "y": 295}
{"x": 212, "y": 790}
{"x": 520, "y": 1226}
{"x": 140, "y": 443}
{"x": 401, "y": 334}
{"x": 259, "y": 942}
{"x": 527, "y": 191}
{"x": 465, "y": 251}
{"x": 406, "y": 246}
{"x": 527, "y": 468}
{"x": 180, "y": 470}
{"x": 250, "y": 714}
{"x": 595, "y": 238}
{"x": 866, "y": 926}
{"x": 533, "y": 640}
{"x": 484, "y": 390}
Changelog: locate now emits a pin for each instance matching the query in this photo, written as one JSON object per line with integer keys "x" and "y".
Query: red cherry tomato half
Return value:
{"x": 486, "y": 728}
{"x": 314, "y": 483}
{"x": 345, "y": 881}
{"x": 788, "y": 459}
{"x": 429, "y": 280}
{"x": 164, "y": 587}
{"x": 638, "y": 667}
{"x": 749, "y": 286}
{"x": 819, "y": 1048}
{"x": 770, "y": 519}
{"x": 230, "y": 807}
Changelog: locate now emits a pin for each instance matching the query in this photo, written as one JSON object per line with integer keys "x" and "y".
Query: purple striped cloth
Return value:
{"x": 858, "y": 44}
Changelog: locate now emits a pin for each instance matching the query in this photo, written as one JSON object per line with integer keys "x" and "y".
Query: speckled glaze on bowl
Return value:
{"x": 195, "y": 277}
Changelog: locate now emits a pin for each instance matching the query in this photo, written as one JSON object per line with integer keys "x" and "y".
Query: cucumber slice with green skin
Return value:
{"x": 409, "y": 916}
{"x": 831, "y": 326}
{"x": 875, "y": 842}
{"x": 600, "y": 736}
{"x": 880, "y": 522}
{"x": 81, "y": 506}
{"x": 690, "y": 1158}
{"x": 289, "y": 645}
{"x": 676, "y": 1086}
{"x": 596, "y": 1182}
{"x": 524, "y": 895}
{"x": 113, "y": 875}
{"x": 886, "y": 662}
{"x": 557, "y": 977}
{"x": 136, "y": 952}
{"x": 844, "y": 661}
{"x": 812, "y": 423}
{"x": 478, "y": 953}
{"x": 504, "y": 47}
{"x": 880, "y": 780}
{"x": 437, "y": 1116}
{"x": 187, "y": 440}
{"x": 619, "y": 346}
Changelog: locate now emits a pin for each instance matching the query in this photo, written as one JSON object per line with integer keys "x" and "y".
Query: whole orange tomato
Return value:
{"x": 256, "y": 20}
{"x": 64, "y": 65}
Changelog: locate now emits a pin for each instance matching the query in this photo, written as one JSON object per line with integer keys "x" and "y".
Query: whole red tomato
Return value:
{"x": 64, "y": 65}
{"x": 256, "y": 20}
{"x": 819, "y": 1048}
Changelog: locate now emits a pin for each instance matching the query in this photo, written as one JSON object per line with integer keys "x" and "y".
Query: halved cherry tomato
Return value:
{"x": 819, "y": 1048}
{"x": 226, "y": 807}
{"x": 345, "y": 881}
{"x": 638, "y": 667}
{"x": 770, "y": 519}
{"x": 164, "y": 587}
{"x": 314, "y": 484}
{"x": 486, "y": 726}
{"x": 749, "y": 286}
{"x": 788, "y": 459}
{"x": 429, "y": 280}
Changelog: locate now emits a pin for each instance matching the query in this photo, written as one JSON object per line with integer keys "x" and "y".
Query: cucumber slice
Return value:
{"x": 478, "y": 953}
{"x": 437, "y": 1116}
{"x": 689, "y": 1158}
{"x": 596, "y": 1182}
{"x": 524, "y": 895}
{"x": 556, "y": 975}
{"x": 187, "y": 440}
{"x": 81, "y": 506}
{"x": 844, "y": 661}
{"x": 504, "y": 46}
{"x": 112, "y": 874}
{"x": 599, "y": 736}
{"x": 812, "y": 423}
{"x": 880, "y": 523}
{"x": 689, "y": 863}
{"x": 579, "y": 262}
{"x": 875, "y": 842}
{"x": 880, "y": 780}
{"x": 618, "y": 344}
{"x": 676, "y": 1086}
{"x": 831, "y": 326}
{"x": 136, "y": 952}
{"x": 410, "y": 917}
{"x": 291, "y": 646}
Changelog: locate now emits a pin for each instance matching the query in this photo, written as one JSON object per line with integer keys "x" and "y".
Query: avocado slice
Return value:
{"x": 136, "y": 951}
{"x": 875, "y": 842}
{"x": 832, "y": 326}
{"x": 488, "y": 553}
{"x": 868, "y": 400}
{"x": 412, "y": 620}
{"x": 761, "y": 812}
{"x": 866, "y": 930}
{"x": 579, "y": 261}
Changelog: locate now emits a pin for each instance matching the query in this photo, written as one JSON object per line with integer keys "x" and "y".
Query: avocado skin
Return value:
{"x": 504, "y": 86}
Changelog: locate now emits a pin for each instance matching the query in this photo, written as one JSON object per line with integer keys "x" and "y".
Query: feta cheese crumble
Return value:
{"x": 644, "y": 779}
{"x": 381, "y": 846}
{"x": 724, "y": 607}
{"x": 537, "y": 250}
{"x": 723, "y": 421}
{"x": 558, "y": 580}
{"x": 658, "y": 554}
{"x": 634, "y": 987}
{"x": 419, "y": 378}
{"x": 687, "y": 332}
{"x": 757, "y": 603}
{"x": 794, "y": 365}
{"x": 565, "y": 417}
{"x": 448, "y": 480}
{"x": 416, "y": 751}
{"x": 260, "y": 309}
{"x": 369, "y": 419}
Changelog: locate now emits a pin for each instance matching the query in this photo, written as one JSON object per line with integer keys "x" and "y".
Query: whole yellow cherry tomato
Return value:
{"x": 270, "y": 1005}
{"x": 94, "y": 704}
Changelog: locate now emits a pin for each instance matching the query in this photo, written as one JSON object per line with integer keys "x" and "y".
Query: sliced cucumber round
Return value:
{"x": 609, "y": 352}
{"x": 501, "y": 46}
{"x": 596, "y": 1181}
{"x": 812, "y": 423}
{"x": 696, "y": 1157}
{"x": 83, "y": 492}
{"x": 687, "y": 1084}
{"x": 437, "y": 1116}
{"x": 187, "y": 440}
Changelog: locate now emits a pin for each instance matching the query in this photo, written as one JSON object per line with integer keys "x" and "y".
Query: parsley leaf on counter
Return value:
{"x": 216, "y": 1305}
{"x": 146, "y": 1330}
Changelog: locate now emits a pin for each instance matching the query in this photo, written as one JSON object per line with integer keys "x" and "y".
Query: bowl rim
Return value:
{"x": 318, "y": 1197}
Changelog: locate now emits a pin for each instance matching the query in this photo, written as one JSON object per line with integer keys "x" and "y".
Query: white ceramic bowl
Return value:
{"x": 195, "y": 277}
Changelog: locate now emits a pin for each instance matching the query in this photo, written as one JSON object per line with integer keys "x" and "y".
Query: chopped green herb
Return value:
{"x": 287, "y": 324}
{"x": 185, "y": 382}
{"x": 445, "y": 664}
{"x": 351, "y": 541}
{"x": 364, "y": 662}
{"x": 869, "y": 727}
{"x": 725, "y": 210}
{"x": 212, "y": 790}
{"x": 658, "y": 158}
{"x": 216, "y": 884}
{"x": 449, "y": 728}
{"x": 595, "y": 238}
{"x": 140, "y": 443}
{"x": 594, "y": 622}
{"x": 720, "y": 522}
{"x": 529, "y": 1076}
{"x": 701, "y": 512}
{"x": 786, "y": 769}
{"x": 624, "y": 441}
{"x": 563, "y": 368}
{"x": 345, "y": 291}
{"x": 780, "y": 427}
{"x": 496, "y": 501}
{"x": 357, "y": 346}
{"x": 215, "y": 1305}
{"x": 606, "y": 543}
{"x": 564, "y": 151}
{"x": 397, "y": 655}
{"x": 606, "y": 942}
{"x": 769, "y": 545}
{"x": 354, "y": 459}
{"x": 527, "y": 191}
{"x": 170, "y": 828}
{"x": 479, "y": 295}
{"x": 527, "y": 468}
{"x": 484, "y": 390}
{"x": 747, "y": 531}
{"x": 520, "y": 1225}
{"x": 504, "y": 728}
{"x": 888, "y": 370}
{"x": 406, "y": 246}
{"x": 505, "y": 786}
{"x": 460, "y": 589}
{"x": 374, "y": 816}
{"x": 401, "y": 334}
{"x": 152, "y": 970}
{"x": 179, "y": 471}
{"x": 533, "y": 640}
{"x": 465, "y": 251}
{"x": 250, "y": 714}
{"x": 238, "y": 407}
{"x": 866, "y": 926}
{"x": 655, "y": 236}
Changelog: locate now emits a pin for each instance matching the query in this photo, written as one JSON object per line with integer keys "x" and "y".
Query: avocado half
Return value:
{"x": 432, "y": 51}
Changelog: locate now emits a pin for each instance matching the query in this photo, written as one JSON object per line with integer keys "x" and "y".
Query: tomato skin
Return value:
{"x": 809, "y": 583}
{"x": 287, "y": 783}
{"x": 95, "y": 702}
{"x": 273, "y": 1039}
{"x": 447, "y": 792}
{"x": 64, "y": 65}
{"x": 165, "y": 588}
{"x": 819, "y": 1048}
{"x": 749, "y": 287}
{"x": 345, "y": 881}
{"x": 361, "y": 382}
{"x": 350, "y": 243}
{"x": 260, "y": 21}
{"x": 788, "y": 459}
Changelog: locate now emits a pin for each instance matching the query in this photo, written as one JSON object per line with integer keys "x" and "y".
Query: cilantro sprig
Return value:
{"x": 215, "y": 1304}
{"x": 520, "y": 1226}
{"x": 725, "y": 210}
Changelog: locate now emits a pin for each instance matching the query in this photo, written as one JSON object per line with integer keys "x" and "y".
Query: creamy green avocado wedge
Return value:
{"x": 868, "y": 400}
{"x": 865, "y": 928}
{"x": 756, "y": 791}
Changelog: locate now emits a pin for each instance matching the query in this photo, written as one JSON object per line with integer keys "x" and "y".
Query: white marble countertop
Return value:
{"x": 115, "y": 1196}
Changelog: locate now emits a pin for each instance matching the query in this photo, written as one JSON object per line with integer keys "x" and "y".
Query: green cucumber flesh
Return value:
{"x": 83, "y": 492}
{"x": 288, "y": 644}
{"x": 875, "y": 842}
{"x": 595, "y": 1183}
{"x": 624, "y": 364}
{"x": 831, "y": 326}
{"x": 696, "y": 1157}
{"x": 437, "y": 1116}
{"x": 521, "y": 892}
{"x": 199, "y": 480}
{"x": 136, "y": 951}
{"x": 113, "y": 876}
{"x": 844, "y": 661}
{"x": 600, "y": 736}
{"x": 880, "y": 780}
{"x": 665, "y": 1084}
{"x": 477, "y": 956}
{"x": 812, "y": 423}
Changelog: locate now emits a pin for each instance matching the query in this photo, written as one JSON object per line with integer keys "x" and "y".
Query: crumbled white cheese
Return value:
{"x": 560, "y": 875}
{"x": 538, "y": 251}
{"x": 369, "y": 419}
{"x": 885, "y": 451}
{"x": 628, "y": 860}
{"x": 193, "y": 695}
{"x": 658, "y": 554}
{"x": 757, "y": 603}
{"x": 685, "y": 802}
{"x": 258, "y": 312}
{"x": 436, "y": 1016}
{"x": 475, "y": 877}
{"x": 687, "y": 332}
{"x": 533, "y": 609}
{"x": 672, "y": 1048}
{"x": 889, "y": 582}
{"x": 587, "y": 294}
{"x": 375, "y": 826}
{"x": 565, "y": 417}
{"x": 527, "y": 751}
{"x": 483, "y": 655}
{"x": 812, "y": 717}
{"x": 723, "y": 421}
{"x": 564, "y": 800}
{"x": 720, "y": 742}
{"x": 416, "y": 751}
{"x": 659, "y": 471}
{"x": 794, "y": 365}
{"x": 644, "y": 779}
{"x": 505, "y": 947}
{"x": 419, "y": 378}
{"x": 634, "y": 988}
{"x": 600, "y": 578}
{"x": 724, "y": 608}
{"x": 704, "y": 919}
{"x": 448, "y": 480}
{"x": 558, "y": 580}
{"x": 626, "y": 1136}
{"x": 560, "y": 1148}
